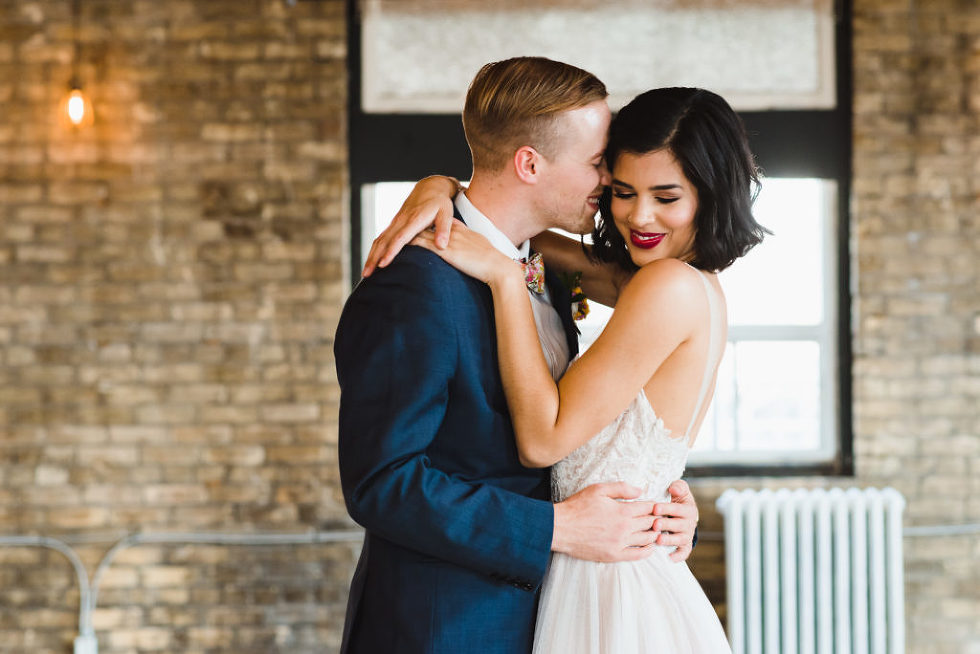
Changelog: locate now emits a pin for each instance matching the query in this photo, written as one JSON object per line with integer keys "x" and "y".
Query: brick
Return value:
{"x": 170, "y": 494}
{"x": 237, "y": 456}
{"x": 72, "y": 193}
{"x": 20, "y": 193}
{"x": 78, "y": 518}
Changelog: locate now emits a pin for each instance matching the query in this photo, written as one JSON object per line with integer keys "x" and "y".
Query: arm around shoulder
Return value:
{"x": 396, "y": 352}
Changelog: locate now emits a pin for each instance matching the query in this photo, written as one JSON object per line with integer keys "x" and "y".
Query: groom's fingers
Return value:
{"x": 635, "y": 553}
{"x": 637, "y": 508}
{"x": 643, "y": 523}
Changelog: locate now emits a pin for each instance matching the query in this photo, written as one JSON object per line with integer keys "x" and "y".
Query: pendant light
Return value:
{"x": 76, "y": 109}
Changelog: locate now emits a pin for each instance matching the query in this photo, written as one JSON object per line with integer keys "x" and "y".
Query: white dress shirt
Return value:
{"x": 551, "y": 333}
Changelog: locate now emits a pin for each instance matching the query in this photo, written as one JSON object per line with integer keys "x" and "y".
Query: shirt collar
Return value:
{"x": 479, "y": 223}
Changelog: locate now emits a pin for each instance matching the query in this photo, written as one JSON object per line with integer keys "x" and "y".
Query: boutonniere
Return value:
{"x": 580, "y": 303}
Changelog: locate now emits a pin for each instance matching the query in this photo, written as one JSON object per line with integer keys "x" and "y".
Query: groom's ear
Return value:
{"x": 527, "y": 164}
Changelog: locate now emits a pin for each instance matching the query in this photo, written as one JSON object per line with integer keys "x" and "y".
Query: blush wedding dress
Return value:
{"x": 636, "y": 607}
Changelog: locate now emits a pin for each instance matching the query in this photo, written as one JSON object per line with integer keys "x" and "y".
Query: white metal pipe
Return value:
{"x": 81, "y": 574}
{"x": 86, "y": 641}
{"x": 216, "y": 538}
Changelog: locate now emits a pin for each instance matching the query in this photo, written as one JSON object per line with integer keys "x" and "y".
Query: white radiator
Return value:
{"x": 814, "y": 571}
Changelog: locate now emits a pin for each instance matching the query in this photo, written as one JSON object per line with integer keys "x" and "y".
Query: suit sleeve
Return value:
{"x": 396, "y": 352}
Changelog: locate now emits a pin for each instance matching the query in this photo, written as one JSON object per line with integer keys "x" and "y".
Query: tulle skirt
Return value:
{"x": 637, "y": 607}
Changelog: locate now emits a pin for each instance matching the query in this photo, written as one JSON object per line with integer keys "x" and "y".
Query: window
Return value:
{"x": 775, "y": 399}
{"x": 782, "y": 403}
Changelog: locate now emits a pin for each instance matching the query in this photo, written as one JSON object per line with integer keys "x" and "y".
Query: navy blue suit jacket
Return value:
{"x": 458, "y": 532}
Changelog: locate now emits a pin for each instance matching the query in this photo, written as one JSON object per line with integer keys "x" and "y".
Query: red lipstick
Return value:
{"x": 646, "y": 241}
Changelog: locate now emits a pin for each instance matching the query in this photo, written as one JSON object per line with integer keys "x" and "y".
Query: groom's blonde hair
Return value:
{"x": 518, "y": 102}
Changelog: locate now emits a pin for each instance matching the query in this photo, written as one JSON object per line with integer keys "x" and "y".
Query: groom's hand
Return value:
{"x": 676, "y": 520}
{"x": 595, "y": 525}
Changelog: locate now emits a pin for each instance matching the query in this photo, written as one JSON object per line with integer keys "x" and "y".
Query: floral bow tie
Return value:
{"x": 534, "y": 272}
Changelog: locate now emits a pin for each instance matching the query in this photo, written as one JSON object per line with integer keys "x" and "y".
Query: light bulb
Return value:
{"x": 76, "y": 107}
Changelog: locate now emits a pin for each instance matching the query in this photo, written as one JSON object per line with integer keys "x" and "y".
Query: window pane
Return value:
{"x": 787, "y": 62}
{"x": 767, "y": 401}
{"x": 782, "y": 280}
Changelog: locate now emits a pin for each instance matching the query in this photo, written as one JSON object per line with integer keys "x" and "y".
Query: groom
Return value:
{"x": 458, "y": 532}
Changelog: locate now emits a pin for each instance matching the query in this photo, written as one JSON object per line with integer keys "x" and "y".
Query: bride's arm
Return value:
{"x": 601, "y": 282}
{"x": 429, "y": 203}
{"x": 655, "y": 315}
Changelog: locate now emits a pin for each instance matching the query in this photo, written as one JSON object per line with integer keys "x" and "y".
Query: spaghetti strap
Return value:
{"x": 712, "y": 352}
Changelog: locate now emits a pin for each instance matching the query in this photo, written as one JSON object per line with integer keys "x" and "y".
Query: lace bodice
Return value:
{"x": 635, "y": 448}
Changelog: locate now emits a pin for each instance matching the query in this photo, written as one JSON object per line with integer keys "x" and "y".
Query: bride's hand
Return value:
{"x": 473, "y": 255}
{"x": 677, "y": 520}
{"x": 430, "y": 202}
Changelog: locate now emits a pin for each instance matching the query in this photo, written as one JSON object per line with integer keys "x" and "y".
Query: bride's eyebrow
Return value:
{"x": 659, "y": 187}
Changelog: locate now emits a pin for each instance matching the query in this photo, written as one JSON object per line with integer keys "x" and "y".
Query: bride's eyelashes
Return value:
{"x": 626, "y": 195}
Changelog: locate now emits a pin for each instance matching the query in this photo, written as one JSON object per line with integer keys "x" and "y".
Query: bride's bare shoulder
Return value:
{"x": 666, "y": 280}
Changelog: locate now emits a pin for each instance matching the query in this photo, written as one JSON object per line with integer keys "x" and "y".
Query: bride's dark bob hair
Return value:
{"x": 708, "y": 140}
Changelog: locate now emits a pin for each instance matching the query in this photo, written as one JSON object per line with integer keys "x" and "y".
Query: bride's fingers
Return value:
{"x": 674, "y": 525}
{"x": 681, "y": 553}
{"x": 676, "y": 510}
{"x": 385, "y": 247}
{"x": 426, "y": 240}
{"x": 444, "y": 227}
{"x": 678, "y": 540}
{"x": 397, "y": 241}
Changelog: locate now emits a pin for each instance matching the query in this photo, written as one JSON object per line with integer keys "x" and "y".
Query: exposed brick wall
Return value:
{"x": 916, "y": 235}
{"x": 170, "y": 280}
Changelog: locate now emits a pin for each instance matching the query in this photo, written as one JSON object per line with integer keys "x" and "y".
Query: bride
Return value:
{"x": 678, "y": 212}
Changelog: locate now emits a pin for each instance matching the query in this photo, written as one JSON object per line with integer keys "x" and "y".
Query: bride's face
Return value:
{"x": 653, "y": 206}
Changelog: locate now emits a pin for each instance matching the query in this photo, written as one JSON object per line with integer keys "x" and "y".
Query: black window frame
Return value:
{"x": 787, "y": 143}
